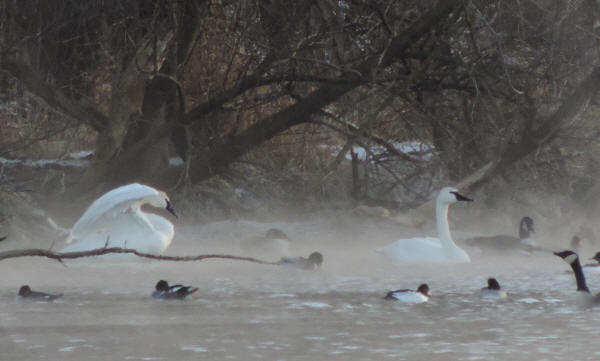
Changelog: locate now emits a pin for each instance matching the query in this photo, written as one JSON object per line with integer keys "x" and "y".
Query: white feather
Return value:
{"x": 117, "y": 217}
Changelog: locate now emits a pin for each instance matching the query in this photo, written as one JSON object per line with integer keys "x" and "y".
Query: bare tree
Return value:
{"x": 212, "y": 81}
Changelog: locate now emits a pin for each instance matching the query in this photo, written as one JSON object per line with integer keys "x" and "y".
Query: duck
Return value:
{"x": 595, "y": 258}
{"x": 25, "y": 292}
{"x": 583, "y": 296}
{"x": 409, "y": 296}
{"x": 313, "y": 262}
{"x": 116, "y": 219}
{"x": 503, "y": 242}
{"x": 593, "y": 267}
{"x": 175, "y": 292}
{"x": 493, "y": 290}
{"x": 431, "y": 250}
{"x": 275, "y": 243}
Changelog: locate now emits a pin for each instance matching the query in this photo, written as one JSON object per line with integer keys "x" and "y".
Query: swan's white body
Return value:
{"x": 429, "y": 249}
{"x": 117, "y": 218}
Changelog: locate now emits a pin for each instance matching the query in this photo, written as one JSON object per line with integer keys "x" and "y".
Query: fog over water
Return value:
{"x": 246, "y": 311}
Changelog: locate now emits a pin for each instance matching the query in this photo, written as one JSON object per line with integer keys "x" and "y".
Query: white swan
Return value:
{"x": 117, "y": 218}
{"x": 430, "y": 249}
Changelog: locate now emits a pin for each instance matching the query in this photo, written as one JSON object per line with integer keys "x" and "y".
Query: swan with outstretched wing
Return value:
{"x": 116, "y": 219}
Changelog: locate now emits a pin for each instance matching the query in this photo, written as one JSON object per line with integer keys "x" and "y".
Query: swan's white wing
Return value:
{"x": 147, "y": 233}
{"x": 163, "y": 231}
{"x": 110, "y": 205}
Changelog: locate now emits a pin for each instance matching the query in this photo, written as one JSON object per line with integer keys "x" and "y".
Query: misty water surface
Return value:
{"x": 247, "y": 311}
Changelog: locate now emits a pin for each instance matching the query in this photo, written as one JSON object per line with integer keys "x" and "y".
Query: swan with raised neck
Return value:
{"x": 429, "y": 249}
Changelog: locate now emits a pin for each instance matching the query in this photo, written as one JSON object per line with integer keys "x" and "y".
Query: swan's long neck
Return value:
{"x": 579, "y": 277}
{"x": 443, "y": 229}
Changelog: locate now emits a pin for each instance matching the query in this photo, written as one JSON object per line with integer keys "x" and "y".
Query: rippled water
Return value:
{"x": 247, "y": 311}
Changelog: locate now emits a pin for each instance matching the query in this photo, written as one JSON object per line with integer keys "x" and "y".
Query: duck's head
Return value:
{"x": 596, "y": 256}
{"x": 162, "y": 285}
{"x": 316, "y": 258}
{"x": 568, "y": 256}
{"x": 526, "y": 226}
{"x": 24, "y": 290}
{"x": 275, "y": 233}
{"x": 451, "y": 195}
{"x": 423, "y": 289}
{"x": 493, "y": 284}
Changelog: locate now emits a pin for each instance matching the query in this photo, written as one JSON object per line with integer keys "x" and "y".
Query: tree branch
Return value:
{"x": 301, "y": 111}
{"x": 53, "y": 96}
{"x": 59, "y": 256}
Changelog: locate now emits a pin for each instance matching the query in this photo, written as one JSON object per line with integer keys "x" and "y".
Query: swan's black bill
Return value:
{"x": 460, "y": 197}
{"x": 170, "y": 208}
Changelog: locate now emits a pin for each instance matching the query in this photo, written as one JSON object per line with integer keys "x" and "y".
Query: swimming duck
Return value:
{"x": 583, "y": 296}
{"x": 314, "y": 261}
{"x": 177, "y": 292}
{"x": 506, "y": 242}
{"x": 595, "y": 258}
{"x": 593, "y": 267}
{"x": 409, "y": 296}
{"x": 493, "y": 290}
{"x": 26, "y": 292}
{"x": 430, "y": 249}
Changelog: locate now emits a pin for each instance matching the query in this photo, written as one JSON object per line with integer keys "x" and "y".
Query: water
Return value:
{"x": 247, "y": 311}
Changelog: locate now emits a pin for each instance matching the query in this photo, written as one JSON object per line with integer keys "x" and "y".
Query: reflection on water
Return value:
{"x": 247, "y": 311}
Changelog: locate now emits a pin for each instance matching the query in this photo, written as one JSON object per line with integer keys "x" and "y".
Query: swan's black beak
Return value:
{"x": 170, "y": 208}
{"x": 460, "y": 197}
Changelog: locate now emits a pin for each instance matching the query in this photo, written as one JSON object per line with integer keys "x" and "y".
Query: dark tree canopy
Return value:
{"x": 480, "y": 81}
